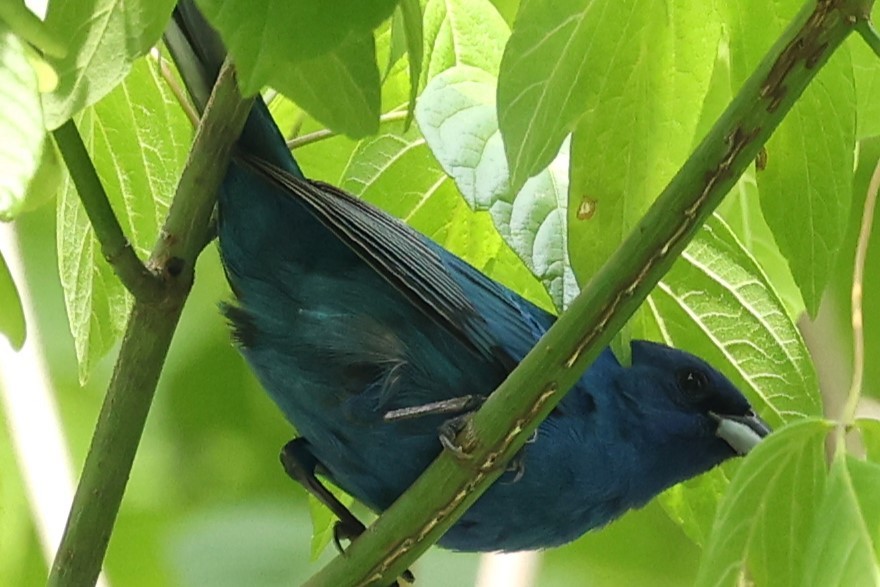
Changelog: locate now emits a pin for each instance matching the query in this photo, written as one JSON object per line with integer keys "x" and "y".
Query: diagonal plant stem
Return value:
{"x": 147, "y": 337}
{"x": 514, "y": 410}
{"x": 116, "y": 248}
{"x": 869, "y": 34}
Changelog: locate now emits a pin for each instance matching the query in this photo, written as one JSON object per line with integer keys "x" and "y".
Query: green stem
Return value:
{"x": 869, "y": 34}
{"x": 855, "y": 392}
{"x": 320, "y": 135}
{"x": 29, "y": 27}
{"x": 510, "y": 415}
{"x": 117, "y": 250}
{"x": 145, "y": 345}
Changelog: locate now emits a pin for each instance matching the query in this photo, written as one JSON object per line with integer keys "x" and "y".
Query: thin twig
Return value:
{"x": 116, "y": 248}
{"x": 858, "y": 373}
{"x": 320, "y": 135}
{"x": 173, "y": 85}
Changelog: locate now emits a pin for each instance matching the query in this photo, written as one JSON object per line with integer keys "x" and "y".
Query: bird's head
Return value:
{"x": 692, "y": 414}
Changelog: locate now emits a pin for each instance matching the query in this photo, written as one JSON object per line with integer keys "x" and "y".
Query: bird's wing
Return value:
{"x": 449, "y": 291}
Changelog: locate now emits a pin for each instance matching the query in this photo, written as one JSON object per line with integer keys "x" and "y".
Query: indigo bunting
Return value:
{"x": 370, "y": 337}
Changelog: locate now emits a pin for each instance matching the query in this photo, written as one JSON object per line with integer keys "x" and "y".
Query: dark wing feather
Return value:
{"x": 396, "y": 252}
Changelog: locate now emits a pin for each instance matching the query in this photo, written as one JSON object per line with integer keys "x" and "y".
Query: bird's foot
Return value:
{"x": 300, "y": 465}
{"x": 448, "y": 434}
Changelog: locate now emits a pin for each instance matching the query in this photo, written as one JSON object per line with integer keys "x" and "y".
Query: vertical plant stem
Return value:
{"x": 115, "y": 247}
{"x": 145, "y": 345}
{"x": 858, "y": 372}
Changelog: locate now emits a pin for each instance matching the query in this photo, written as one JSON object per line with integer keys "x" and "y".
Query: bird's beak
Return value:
{"x": 742, "y": 433}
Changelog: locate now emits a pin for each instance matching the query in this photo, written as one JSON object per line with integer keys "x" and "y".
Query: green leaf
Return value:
{"x": 641, "y": 110}
{"x": 308, "y": 52}
{"x": 138, "y": 138}
{"x": 462, "y": 32}
{"x": 288, "y": 32}
{"x": 104, "y": 38}
{"x": 767, "y": 513}
{"x": 870, "y": 431}
{"x": 742, "y": 211}
{"x": 21, "y": 124}
{"x": 323, "y": 520}
{"x": 456, "y": 113}
{"x": 12, "y": 323}
{"x": 431, "y": 205}
{"x": 843, "y": 547}
{"x": 806, "y": 186}
{"x": 717, "y": 303}
{"x": 349, "y": 73}
{"x": 867, "y": 79}
{"x": 640, "y": 114}
{"x": 464, "y": 43}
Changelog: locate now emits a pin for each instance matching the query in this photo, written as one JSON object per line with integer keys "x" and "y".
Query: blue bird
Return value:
{"x": 370, "y": 338}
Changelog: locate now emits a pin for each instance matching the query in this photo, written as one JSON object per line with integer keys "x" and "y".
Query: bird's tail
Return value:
{"x": 199, "y": 54}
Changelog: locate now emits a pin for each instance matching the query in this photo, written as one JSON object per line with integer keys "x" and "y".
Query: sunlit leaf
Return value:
{"x": 456, "y": 113}
{"x": 639, "y": 113}
{"x": 21, "y": 124}
{"x": 806, "y": 185}
{"x": 381, "y": 171}
{"x": 766, "y": 516}
{"x": 104, "y": 37}
{"x": 138, "y": 137}
{"x": 462, "y": 32}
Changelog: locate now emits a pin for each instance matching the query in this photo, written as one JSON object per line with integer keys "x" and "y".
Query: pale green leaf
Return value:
{"x": 462, "y": 32}
{"x": 456, "y": 113}
{"x": 741, "y": 209}
{"x": 12, "y": 323}
{"x": 717, "y": 302}
{"x": 842, "y": 549}
{"x": 138, "y": 138}
{"x": 430, "y": 204}
{"x": 766, "y": 516}
{"x": 21, "y": 125}
{"x": 104, "y": 37}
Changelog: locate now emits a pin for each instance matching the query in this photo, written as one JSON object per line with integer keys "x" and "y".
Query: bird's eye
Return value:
{"x": 693, "y": 381}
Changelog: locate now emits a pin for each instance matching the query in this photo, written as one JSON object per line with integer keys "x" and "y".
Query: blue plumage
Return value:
{"x": 345, "y": 314}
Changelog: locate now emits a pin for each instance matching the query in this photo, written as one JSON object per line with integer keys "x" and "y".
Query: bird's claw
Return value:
{"x": 448, "y": 434}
